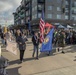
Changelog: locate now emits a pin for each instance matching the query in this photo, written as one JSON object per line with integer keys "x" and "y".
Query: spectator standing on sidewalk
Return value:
{"x": 3, "y": 38}
{"x": 0, "y": 31}
{"x": 21, "y": 40}
{"x": 35, "y": 40}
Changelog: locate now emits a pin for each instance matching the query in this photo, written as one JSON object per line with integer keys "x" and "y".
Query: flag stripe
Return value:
{"x": 42, "y": 24}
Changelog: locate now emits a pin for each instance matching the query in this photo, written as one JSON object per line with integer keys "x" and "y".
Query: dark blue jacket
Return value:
{"x": 19, "y": 40}
{"x": 35, "y": 40}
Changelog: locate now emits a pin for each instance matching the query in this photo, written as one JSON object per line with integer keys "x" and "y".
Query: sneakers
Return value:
{"x": 58, "y": 50}
{"x": 21, "y": 61}
{"x": 33, "y": 56}
{"x": 37, "y": 58}
{"x": 48, "y": 54}
{"x": 63, "y": 52}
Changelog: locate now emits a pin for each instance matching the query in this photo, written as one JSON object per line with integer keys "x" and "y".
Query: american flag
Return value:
{"x": 41, "y": 26}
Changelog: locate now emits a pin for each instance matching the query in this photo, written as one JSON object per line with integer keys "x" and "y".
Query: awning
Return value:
{"x": 61, "y": 26}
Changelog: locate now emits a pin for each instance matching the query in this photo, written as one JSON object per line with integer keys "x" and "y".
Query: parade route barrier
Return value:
{"x": 12, "y": 47}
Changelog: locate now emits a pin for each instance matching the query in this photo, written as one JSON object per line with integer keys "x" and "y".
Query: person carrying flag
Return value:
{"x": 35, "y": 40}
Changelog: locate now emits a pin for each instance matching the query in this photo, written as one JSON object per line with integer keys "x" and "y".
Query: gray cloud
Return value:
{"x": 7, "y": 7}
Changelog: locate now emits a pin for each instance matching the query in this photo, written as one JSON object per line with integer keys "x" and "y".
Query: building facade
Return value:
{"x": 55, "y": 11}
{"x": 19, "y": 15}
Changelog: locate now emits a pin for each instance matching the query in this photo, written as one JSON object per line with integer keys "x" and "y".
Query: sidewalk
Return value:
{"x": 56, "y": 64}
{"x": 69, "y": 70}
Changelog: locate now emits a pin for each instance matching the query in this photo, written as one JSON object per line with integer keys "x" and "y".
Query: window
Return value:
{"x": 66, "y": 10}
{"x": 33, "y": 1}
{"x": 66, "y": 16}
{"x": 40, "y": 0}
{"x": 50, "y": 0}
{"x": 23, "y": 3}
{"x": 58, "y": 16}
{"x": 49, "y": 7}
{"x": 32, "y": 9}
{"x": 75, "y": 3}
{"x": 74, "y": 10}
{"x": 17, "y": 23}
{"x": 27, "y": 13}
{"x": 39, "y": 15}
{"x": 49, "y": 16}
{"x": 58, "y": 9}
{"x": 22, "y": 21}
{"x": 35, "y": 8}
{"x": 40, "y": 7}
{"x": 35, "y": 16}
{"x": 32, "y": 17}
{"x": 27, "y": 5}
{"x": 67, "y": 3}
{"x": 59, "y": 1}
{"x": 74, "y": 17}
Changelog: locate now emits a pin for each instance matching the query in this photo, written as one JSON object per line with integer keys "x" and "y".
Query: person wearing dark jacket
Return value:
{"x": 35, "y": 40}
{"x": 0, "y": 31}
{"x": 61, "y": 41}
{"x": 3, "y": 36}
{"x": 21, "y": 40}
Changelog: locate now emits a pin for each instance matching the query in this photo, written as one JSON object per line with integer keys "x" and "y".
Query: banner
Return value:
{"x": 12, "y": 47}
{"x": 47, "y": 44}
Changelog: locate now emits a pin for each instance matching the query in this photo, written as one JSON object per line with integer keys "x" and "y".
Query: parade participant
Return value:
{"x": 35, "y": 40}
{"x": 61, "y": 40}
{"x": 21, "y": 40}
{"x": 0, "y": 31}
{"x": 16, "y": 33}
{"x": 55, "y": 37}
{"x": 3, "y": 38}
{"x": 9, "y": 35}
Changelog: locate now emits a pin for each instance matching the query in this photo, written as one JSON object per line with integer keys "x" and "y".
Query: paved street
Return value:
{"x": 56, "y": 64}
{"x": 29, "y": 22}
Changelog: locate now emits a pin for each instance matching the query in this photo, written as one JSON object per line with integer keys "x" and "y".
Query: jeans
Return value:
{"x": 21, "y": 54}
{"x": 3, "y": 41}
{"x": 35, "y": 50}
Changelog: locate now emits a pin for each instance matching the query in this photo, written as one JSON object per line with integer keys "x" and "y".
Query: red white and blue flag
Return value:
{"x": 41, "y": 26}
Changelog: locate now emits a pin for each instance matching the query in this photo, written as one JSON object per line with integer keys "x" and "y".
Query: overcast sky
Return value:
{"x": 7, "y": 7}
